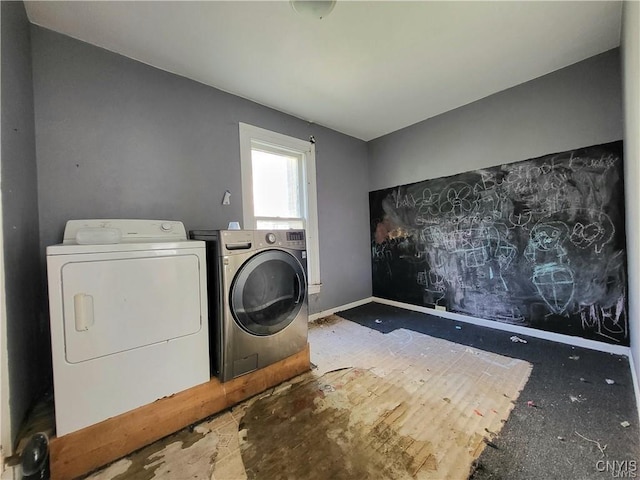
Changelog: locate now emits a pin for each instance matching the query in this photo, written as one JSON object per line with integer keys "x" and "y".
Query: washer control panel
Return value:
{"x": 280, "y": 238}
{"x": 271, "y": 238}
{"x": 295, "y": 235}
{"x": 236, "y": 241}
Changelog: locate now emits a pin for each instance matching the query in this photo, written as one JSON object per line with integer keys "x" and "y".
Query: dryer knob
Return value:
{"x": 271, "y": 238}
{"x": 166, "y": 227}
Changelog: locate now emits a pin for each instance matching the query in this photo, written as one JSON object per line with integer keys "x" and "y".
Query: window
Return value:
{"x": 279, "y": 188}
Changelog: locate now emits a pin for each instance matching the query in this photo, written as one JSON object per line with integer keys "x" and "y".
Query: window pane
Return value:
{"x": 272, "y": 224}
{"x": 275, "y": 185}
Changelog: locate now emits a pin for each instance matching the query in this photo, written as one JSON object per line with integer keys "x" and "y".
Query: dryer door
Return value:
{"x": 114, "y": 305}
{"x": 268, "y": 292}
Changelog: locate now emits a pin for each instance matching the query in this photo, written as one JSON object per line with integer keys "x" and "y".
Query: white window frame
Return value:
{"x": 250, "y": 135}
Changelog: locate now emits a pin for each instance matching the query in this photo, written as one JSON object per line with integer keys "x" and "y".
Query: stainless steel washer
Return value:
{"x": 257, "y": 297}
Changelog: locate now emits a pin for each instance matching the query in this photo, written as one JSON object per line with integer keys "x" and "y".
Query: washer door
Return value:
{"x": 268, "y": 292}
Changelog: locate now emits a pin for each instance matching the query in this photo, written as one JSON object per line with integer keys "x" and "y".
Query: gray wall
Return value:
{"x": 578, "y": 106}
{"x": 631, "y": 91}
{"x": 573, "y": 107}
{"x": 118, "y": 138}
{"x": 26, "y": 328}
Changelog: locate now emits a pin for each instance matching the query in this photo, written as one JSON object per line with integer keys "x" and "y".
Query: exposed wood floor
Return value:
{"x": 567, "y": 412}
{"x": 382, "y": 406}
{"x": 567, "y": 422}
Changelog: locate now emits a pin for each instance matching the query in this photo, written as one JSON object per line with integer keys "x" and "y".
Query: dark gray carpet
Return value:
{"x": 567, "y": 421}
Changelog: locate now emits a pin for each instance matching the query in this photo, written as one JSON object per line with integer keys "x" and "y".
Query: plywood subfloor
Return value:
{"x": 398, "y": 405}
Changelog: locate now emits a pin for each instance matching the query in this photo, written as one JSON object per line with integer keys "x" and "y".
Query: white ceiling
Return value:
{"x": 367, "y": 69}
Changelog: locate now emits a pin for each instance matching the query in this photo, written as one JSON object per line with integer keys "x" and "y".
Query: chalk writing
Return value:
{"x": 537, "y": 243}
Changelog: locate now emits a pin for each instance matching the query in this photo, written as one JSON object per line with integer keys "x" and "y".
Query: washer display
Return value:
{"x": 257, "y": 297}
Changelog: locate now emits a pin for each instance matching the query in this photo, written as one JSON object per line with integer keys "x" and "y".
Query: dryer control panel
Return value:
{"x": 110, "y": 231}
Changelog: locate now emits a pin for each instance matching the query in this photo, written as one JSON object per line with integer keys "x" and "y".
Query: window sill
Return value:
{"x": 314, "y": 289}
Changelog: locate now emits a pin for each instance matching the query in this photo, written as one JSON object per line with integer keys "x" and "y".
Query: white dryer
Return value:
{"x": 128, "y": 308}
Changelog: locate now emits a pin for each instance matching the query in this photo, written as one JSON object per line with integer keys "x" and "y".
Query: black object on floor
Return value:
{"x": 569, "y": 421}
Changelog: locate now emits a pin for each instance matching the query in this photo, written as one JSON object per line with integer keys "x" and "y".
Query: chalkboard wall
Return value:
{"x": 538, "y": 243}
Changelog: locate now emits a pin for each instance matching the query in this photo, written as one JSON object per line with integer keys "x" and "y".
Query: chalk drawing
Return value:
{"x": 538, "y": 242}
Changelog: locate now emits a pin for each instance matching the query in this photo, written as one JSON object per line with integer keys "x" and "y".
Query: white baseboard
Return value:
{"x": 636, "y": 386}
{"x": 531, "y": 332}
{"x": 331, "y": 311}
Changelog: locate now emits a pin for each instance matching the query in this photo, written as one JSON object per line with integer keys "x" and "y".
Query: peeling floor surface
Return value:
{"x": 576, "y": 417}
{"x": 399, "y": 405}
